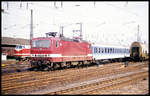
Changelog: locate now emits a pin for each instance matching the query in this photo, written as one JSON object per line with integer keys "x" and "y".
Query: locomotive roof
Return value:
{"x": 75, "y": 40}
{"x": 61, "y": 38}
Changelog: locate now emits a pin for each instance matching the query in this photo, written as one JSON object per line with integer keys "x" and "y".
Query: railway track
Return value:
{"x": 14, "y": 67}
{"x": 105, "y": 84}
{"x": 14, "y": 76}
{"x": 38, "y": 81}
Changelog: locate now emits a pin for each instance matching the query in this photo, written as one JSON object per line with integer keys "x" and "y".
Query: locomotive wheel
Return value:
{"x": 79, "y": 64}
{"x": 68, "y": 64}
{"x": 54, "y": 66}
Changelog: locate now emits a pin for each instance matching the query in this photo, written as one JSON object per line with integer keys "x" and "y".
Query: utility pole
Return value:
{"x": 55, "y": 4}
{"x": 7, "y": 5}
{"x": 27, "y": 6}
{"x": 94, "y": 3}
{"x": 61, "y": 31}
{"x": 31, "y": 26}
{"x": 80, "y": 35}
{"x": 61, "y": 4}
{"x": 138, "y": 37}
{"x": 80, "y": 30}
{"x": 21, "y": 5}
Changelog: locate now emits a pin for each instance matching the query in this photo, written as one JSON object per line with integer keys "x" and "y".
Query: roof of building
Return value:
{"x": 14, "y": 41}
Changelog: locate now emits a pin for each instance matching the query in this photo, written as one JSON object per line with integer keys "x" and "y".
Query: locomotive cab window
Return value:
{"x": 19, "y": 47}
{"x": 41, "y": 43}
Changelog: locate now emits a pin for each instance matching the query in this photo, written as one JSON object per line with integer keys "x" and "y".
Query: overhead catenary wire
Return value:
{"x": 47, "y": 6}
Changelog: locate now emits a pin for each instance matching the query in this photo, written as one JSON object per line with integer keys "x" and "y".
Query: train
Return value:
{"x": 139, "y": 51}
{"x": 22, "y": 52}
{"x": 49, "y": 53}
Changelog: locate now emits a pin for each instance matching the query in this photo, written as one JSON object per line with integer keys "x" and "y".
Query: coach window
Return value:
{"x": 102, "y": 50}
{"x": 99, "y": 50}
{"x": 110, "y": 50}
{"x": 105, "y": 50}
{"x": 95, "y": 50}
{"x": 57, "y": 44}
{"x": 113, "y": 50}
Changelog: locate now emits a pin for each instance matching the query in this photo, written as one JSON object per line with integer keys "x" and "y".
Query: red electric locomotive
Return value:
{"x": 48, "y": 53}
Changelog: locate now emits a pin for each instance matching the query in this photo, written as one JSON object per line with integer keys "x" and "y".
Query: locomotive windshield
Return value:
{"x": 19, "y": 47}
{"x": 41, "y": 43}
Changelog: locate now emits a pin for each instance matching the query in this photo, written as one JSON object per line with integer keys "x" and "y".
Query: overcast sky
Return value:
{"x": 106, "y": 22}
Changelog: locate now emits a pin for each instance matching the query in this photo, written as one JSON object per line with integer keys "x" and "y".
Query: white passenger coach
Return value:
{"x": 101, "y": 52}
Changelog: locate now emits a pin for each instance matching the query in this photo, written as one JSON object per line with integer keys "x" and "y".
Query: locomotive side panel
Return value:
{"x": 75, "y": 51}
